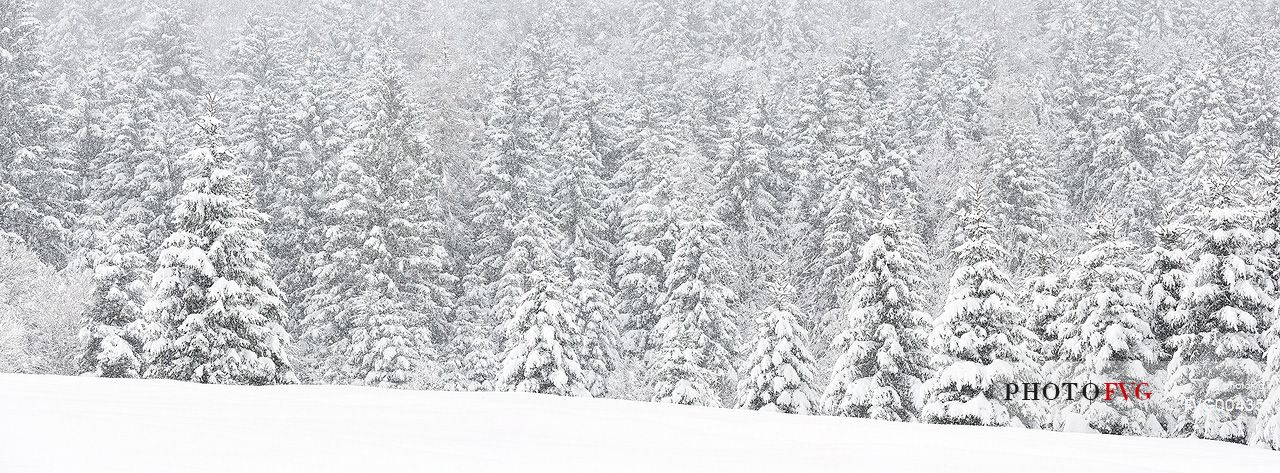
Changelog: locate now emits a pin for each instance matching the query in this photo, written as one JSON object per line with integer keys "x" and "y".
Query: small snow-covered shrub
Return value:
{"x": 39, "y": 313}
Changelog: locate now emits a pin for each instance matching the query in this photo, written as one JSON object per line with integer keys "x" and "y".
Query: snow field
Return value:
{"x": 52, "y": 424}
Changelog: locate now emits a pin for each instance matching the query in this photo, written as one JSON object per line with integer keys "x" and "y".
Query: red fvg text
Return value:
{"x": 1109, "y": 391}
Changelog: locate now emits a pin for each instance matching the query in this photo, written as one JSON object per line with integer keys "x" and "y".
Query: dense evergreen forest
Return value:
{"x": 860, "y": 208}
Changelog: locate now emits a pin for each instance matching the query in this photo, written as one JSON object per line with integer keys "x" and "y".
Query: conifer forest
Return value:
{"x": 894, "y": 210}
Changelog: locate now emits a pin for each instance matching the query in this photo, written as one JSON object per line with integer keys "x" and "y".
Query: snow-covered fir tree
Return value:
{"x": 883, "y": 354}
{"x": 544, "y": 331}
{"x": 697, "y": 333}
{"x": 845, "y": 176}
{"x": 472, "y": 357}
{"x": 1104, "y": 335}
{"x": 578, "y": 180}
{"x": 1212, "y": 166}
{"x": 535, "y": 249}
{"x": 215, "y": 307}
{"x": 1028, "y": 200}
{"x": 1166, "y": 269}
{"x": 362, "y": 327}
{"x": 262, "y": 80}
{"x": 1217, "y": 329}
{"x": 577, "y": 195}
{"x": 642, "y": 198}
{"x": 160, "y": 92}
{"x": 750, "y": 183}
{"x": 947, "y": 83}
{"x": 846, "y": 222}
{"x": 1042, "y": 297}
{"x": 1266, "y": 429}
{"x": 827, "y": 102}
{"x": 1133, "y": 147}
{"x": 380, "y": 295}
{"x": 646, "y": 241}
{"x": 322, "y": 118}
{"x": 113, "y": 330}
{"x": 273, "y": 113}
{"x": 978, "y": 342}
{"x": 778, "y": 375}
{"x": 1097, "y": 61}
{"x": 36, "y": 181}
{"x": 164, "y": 48}
{"x": 657, "y": 136}
{"x": 389, "y": 134}
{"x": 752, "y": 193}
{"x": 511, "y": 181}
{"x": 87, "y": 120}
{"x": 544, "y": 338}
{"x": 892, "y": 179}
{"x": 719, "y": 101}
{"x": 76, "y": 31}
{"x": 593, "y": 299}
{"x": 784, "y": 35}
{"x": 515, "y": 176}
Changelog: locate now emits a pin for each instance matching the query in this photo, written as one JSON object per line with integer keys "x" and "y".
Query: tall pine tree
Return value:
{"x": 381, "y": 295}
{"x": 978, "y": 340}
{"x": 543, "y": 331}
{"x": 1104, "y": 334}
{"x": 36, "y": 182}
{"x": 217, "y": 312}
{"x": 697, "y": 333}
{"x": 883, "y": 354}
{"x": 1224, "y": 309}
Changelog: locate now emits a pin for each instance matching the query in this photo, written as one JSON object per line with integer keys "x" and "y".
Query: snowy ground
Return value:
{"x": 54, "y": 424}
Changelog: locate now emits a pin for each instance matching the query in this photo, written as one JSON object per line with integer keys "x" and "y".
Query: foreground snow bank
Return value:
{"x": 70, "y": 425}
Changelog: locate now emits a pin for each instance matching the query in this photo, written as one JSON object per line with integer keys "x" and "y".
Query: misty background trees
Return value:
{"x": 865, "y": 208}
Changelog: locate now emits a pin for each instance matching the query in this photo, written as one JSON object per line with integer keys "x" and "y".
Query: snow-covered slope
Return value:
{"x": 68, "y": 425}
